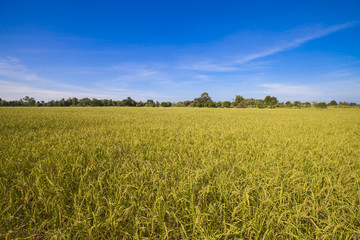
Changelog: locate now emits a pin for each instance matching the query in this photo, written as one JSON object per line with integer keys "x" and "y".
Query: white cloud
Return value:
{"x": 286, "y": 41}
{"x": 292, "y": 92}
{"x": 348, "y": 90}
{"x": 213, "y": 67}
{"x": 343, "y": 73}
{"x": 11, "y": 68}
{"x": 14, "y": 91}
{"x": 18, "y": 81}
{"x": 293, "y": 43}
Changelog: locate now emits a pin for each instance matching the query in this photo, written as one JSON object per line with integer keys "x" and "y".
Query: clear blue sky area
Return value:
{"x": 175, "y": 50}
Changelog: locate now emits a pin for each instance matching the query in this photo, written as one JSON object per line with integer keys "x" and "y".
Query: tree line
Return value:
{"x": 203, "y": 101}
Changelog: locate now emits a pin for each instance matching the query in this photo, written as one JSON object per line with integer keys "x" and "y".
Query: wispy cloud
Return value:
{"x": 348, "y": 90}
{"x": 286, "y": 41}
{"x": 290, "y": 91}
{"x": 343, "y": 73}
{"x": 318, "y": 33}
{"x": 13, "y": 90}
{"x": 17, "y": 81}
{"x": 213, "y": 67}
{"x": 11, "y": 68}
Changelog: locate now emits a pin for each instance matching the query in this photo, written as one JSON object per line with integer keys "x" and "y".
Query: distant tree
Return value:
{"x": 260, "y": 104}
{"x": 29, "y": 101}
{"x": 128, "y": 102}
{"x": 204, "y": 98}
{"x": 166, "y": 104}
{"x": 321, "y": 105}
{"x": 297, "y": 104}
{"x": 51, "y": 103}
{"x": 187, "y": 103}
{"x": 140, "y": 104}
{"x": 210, "y": 104}
{"x": 226, "y": 104}
{"x": 96, "y": 102}
{"x": 280, "y": 105}
{"x": 85, "y": 102}
{"x": 150, "y": 103}
{"x": 343, "y": 104}
{"x": 198, "y": 104}
{"x": 251, "y": 102}
{"x": 239, "y": 99}
{"x": 178, "y": 104}
{"x": 242, "y": 104}
{"x": 307, "y": 104}
{"x": 61, "y": 102}
{"x": 74, "y": 101}
{"x": 270, "y": 101}
{"x": 68, "y": 102}
{"x": 332, "y": 103}
{"x": 289, "y": 104}
{"x": 104, "y": 102}
{"x": 203, "y": 101}
{"x": 267, "y": 100}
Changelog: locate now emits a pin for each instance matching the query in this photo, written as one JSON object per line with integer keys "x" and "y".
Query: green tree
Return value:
{"x": 333, "y": 103}
{"x": 128, "y": 102}
{"x": 204, "y": 98}
{"x": 270, "y": 101}
{"x": 289, "y": 104}
{"x": 187, "y": 103}
{"x": 68, "y": 102}
{"x": 166, "y": 104}
{"x": 267, "y": 100}
{"x": 307, "y": 105}
{"x": 96, "y": 102}
{"x": 226, "y": 104}
{"x": 150, "y": 103}
{"x": 210, "y": 105}
{"x": 74, "y": 101}
{"x": 343, "y": 104}
{"x": 297, "y": 104}
{"x": 29, "y": 101}
{"x": 239, "y": 101}
{"x": 321, "y": 105}
{"x": 140, "y": 104}
{"x": 85, "y": 102}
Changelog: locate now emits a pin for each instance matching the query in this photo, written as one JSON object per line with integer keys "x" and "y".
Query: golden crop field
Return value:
{"x": 179, "y": 173}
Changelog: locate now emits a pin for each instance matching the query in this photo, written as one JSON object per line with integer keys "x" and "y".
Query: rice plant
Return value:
{"x": 179, "y": 173}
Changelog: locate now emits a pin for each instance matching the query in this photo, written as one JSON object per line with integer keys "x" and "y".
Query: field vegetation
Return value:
{"x": 203, "y": 101}
{"x": 179, "y": 173}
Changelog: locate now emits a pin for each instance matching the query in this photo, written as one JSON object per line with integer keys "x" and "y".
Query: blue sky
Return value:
{"x": 175, "y": 50}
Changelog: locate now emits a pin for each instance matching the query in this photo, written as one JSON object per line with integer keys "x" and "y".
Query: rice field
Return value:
{"x": 179, "y": 173}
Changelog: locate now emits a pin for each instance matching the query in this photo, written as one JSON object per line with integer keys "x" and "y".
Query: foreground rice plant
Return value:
{"x": 171, "y": 173}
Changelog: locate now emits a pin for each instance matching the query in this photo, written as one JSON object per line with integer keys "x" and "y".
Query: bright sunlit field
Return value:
{"x": 179, "y": 173}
